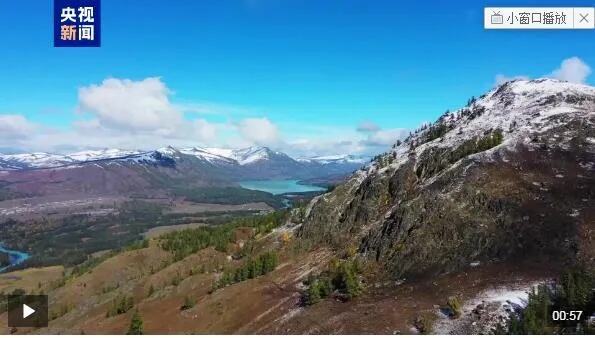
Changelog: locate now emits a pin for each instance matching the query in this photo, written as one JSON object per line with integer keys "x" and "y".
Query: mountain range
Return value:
{"x": 114, "y": 171}
{"x": 242, "y": 157}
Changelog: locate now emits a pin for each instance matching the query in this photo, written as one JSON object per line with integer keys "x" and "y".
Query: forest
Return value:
{"x": 573, "y": 291}
{"x": 188, "y": 241}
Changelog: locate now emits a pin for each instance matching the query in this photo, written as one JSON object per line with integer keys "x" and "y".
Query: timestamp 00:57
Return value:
{"x": 566, "y": 315}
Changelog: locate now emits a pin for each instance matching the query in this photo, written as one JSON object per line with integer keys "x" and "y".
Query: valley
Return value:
{"x": 449, "y": 231}
{"x": 60, "y": 209}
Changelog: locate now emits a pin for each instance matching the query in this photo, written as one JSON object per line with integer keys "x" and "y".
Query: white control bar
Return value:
{"x": 539, "y": 18}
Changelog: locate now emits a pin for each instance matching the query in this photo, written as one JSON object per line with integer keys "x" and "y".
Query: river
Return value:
{"x": 15, "y": 257}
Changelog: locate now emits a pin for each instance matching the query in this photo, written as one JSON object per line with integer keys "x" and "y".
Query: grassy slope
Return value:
{"x": 267, "y": 304}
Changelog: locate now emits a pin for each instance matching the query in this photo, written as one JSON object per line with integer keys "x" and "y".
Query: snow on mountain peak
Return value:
{"x": 523, "y": 105}
{"x": 205, "y": 154}
{"x": 168, "y": 151}
{"x": 33, "y": 160}
{"x": 517, "y": 108}
{"x": 252, "y": 154}
{"x": 94, "y": 155}
{"x": 220, "y": 152}
{"x": 217, "y": 156}
{"x": 241, "y": 156}
{"x": 545, "y": 86}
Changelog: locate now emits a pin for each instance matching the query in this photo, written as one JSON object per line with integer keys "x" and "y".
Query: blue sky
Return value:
{"x": 299, "y": 75}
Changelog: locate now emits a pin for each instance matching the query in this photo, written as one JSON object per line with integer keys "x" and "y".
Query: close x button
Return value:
{"x": 584, "y": 18}
{"x": 27, "y": 311}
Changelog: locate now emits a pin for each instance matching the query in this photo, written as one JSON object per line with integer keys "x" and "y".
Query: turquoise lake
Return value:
{"x": 277, "y": 187}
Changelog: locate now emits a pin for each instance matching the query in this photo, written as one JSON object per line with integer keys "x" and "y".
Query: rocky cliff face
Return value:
{"x": 510, "y": 175}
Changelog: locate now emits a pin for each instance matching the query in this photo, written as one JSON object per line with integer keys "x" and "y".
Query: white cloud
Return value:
{"x": 131, "y": 105}
{"x": 140, "y": 114}
{"x": 205, "y": 131}
{"x": 306, "y": 147}
{"x": 116, "y": 113}
{"x": 129, "y": 114}
{"x": 260, "y": 131}
{"x": 367, "y": 138}
{"x": 14, "y": 126}
{"x": 572, "y": 70}
{"x": 378, "y": 138}
{"x": 87, "y": 126}
{"x": 386, "y": 137}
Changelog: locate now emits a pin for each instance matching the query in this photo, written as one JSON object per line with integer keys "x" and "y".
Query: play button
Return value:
{"x": 27, "y": 311}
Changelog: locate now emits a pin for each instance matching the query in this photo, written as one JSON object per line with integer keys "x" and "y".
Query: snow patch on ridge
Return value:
{"x": 483, "y": 313}
{"x": 518, "y": 108}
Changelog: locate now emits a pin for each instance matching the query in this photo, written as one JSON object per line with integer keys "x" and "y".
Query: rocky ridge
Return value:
{"x": 508, "y": 175}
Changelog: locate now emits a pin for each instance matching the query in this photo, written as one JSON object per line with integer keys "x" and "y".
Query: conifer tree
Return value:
{"x": 136, "y": 324}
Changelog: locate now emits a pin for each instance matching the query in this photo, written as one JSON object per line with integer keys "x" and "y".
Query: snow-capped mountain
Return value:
{"x": 124, "y": 172}
{"x": 246, "y": 156}
{"x": 256, "y": 154}
{"x": 516, "y": 109}
{"x": 242, "y": 157}
{"x": 509, "y": 175}
{"x": 45, "y": 160}
{"x": 33, "y": 160}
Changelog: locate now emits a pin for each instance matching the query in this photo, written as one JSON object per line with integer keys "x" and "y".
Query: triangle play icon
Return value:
{"x": 27, "y": 311}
